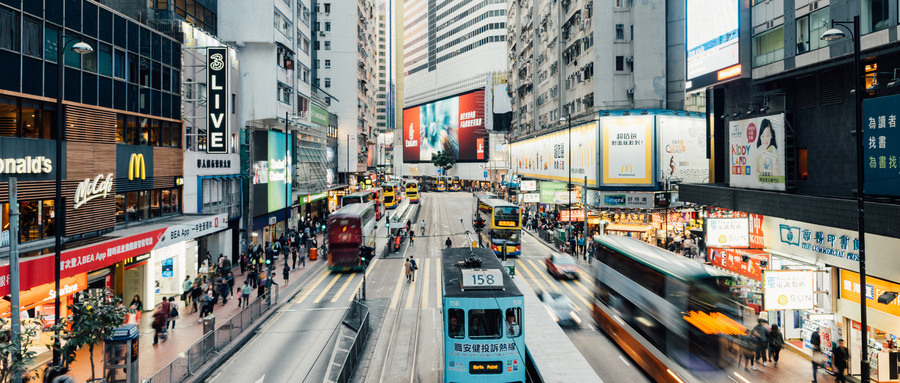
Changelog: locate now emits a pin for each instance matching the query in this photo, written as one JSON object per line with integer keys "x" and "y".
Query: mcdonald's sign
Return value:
{"x": 627, "y": 169}
{"x": 136, "y": 166}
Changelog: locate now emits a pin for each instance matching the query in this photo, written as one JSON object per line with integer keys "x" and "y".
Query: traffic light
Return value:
{"x": 479, "y": 223}
{"x": 323, "y": 227}
{"x": 365, "y": 253}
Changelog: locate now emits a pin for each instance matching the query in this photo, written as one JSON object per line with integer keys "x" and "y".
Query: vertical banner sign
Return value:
{"x": 880, "y": 143}
{"x": 217, "y": 101}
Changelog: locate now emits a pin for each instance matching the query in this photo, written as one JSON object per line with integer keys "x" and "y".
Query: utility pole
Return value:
{"x": 15, "y": 326}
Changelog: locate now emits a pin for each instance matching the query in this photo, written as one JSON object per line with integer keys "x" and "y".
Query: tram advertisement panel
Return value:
{"x": 453, "y": 125}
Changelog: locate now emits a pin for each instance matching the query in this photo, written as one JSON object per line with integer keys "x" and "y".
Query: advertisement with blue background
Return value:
{"x": 881, "y": 145}
{"x": 279, "y": 184}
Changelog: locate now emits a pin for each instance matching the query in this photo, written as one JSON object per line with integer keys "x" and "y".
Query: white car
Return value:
{"x": 560, "y": 308}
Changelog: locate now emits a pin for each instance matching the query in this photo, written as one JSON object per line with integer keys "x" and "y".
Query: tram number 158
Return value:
{"x": 483, "y": 280}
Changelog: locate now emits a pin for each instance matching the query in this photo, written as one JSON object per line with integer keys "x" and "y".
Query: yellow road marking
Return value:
{"x": 359, "y": 285}
{"x": 309, "y": 288}
{"x": 569, "y": 286}
{"x": 328, "y": 287}
{"x": 528, "y": 271}
{"x": 583, "y": 287}
{"x": 543, "y": 274}
{"x": 395, "y": 300}
{"x": 343, "y": 287}
{"x": 425, "y": 283}
{"x": 528, "y": 284}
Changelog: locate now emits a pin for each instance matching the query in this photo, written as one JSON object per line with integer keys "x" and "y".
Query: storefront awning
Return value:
{"x": 624, "y": 227}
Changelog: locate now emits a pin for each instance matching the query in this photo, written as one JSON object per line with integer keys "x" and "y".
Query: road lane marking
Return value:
{"x": 328, "y": 287}
{"x": 395, "y": 299}
{"x": 541, "y": 273}
{"x": 359, "y": 284}
{"x": 528, "y": 271}
{"x": 343, "y": 287}
{"x": 577, "y": 295}
{"x": 411, "y": 294}
{"x": 438, "y": 288}
{"x": 587, "y": 290}
{"x": 624, "y": 360}
{"x": 425, "y": 283}
{"x": 309, "y": 288}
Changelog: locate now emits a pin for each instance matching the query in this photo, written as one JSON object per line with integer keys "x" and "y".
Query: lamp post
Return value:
{"x": 568, "y": 119}
{"x": 832, "y": 35}
{"x": 79, "y": 47}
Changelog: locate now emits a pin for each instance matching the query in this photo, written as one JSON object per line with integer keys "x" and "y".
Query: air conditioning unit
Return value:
{"x": 321, "y": 33}
{"x": 629, "y": 91}
{"x": 629, "y": 59}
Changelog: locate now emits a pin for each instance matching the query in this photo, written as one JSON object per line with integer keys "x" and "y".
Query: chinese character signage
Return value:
{"x": 851, "y": 291}
{"x": 548, "y": 156}
{"x": 733, "y": 260}
{"x": 788, "y": 290}
{"x": 727, "y": 232}
{"x": 757, "y": 152}
{"x": 627, "y": 150}
{"x": 881, "y": 145}
{"x": 623, "y": 200}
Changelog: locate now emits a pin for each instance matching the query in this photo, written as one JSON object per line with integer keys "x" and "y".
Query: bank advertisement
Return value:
{"x": 788, "y": 290}
{"x": 757, "y": 152}
{"x": 627, "y": 151}
{"x": 548, "y": 156}
{"x": 682, "y": 149}
{"x": 881, "y": 145}
{"x": 279, "y": 171}
{"x": 453, "y": 125}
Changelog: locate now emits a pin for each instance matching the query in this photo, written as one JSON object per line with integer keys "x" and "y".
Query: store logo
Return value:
{"x": 136, "y": 167}
{"x": 614, "y": 200}
{"x": 88, "y": 189}
{"x": 790, "y": 234}
{"x": 26, "y": 165}
{"x": 627, "y": 169}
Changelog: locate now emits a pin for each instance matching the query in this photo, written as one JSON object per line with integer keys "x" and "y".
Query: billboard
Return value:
{"x": 757, "y": 152}
{"x": 712, "y": 42}
{"x": 788, "y": 290}
{"x": 627, "y": 151}
{"x": 454, "y": 125}
{"x": 881, "y": 137}
{"x": 852, "y": 291}
{"x": 279, "y": 180}
{"x": 728, "y": 232}
{"x": 528, "y": 186}
{"x": 217, "y": 80}
{"x": 549, "y": 189}
{"x": 682, "y": 149}
{"x": 547, "y": 156}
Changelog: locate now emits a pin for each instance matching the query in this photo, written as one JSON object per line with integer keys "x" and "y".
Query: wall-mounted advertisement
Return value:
{"x": 549, "y": 189}
{"x": 528, "y": 186}
{"x": 881, "y": 135}
{"x": 279, "y": 184}
{"x": 728, "y": 232}
{"x": 454, "y": 125}
{"x": 627, "y": 151}
{"x": 757, "y": 152}
{"x": 621, "y": 200}
{"x": 788, "y": 290}
{"x": 547, "y": 156}
{"x": 682, "y": 149}
{"x": 712, "y": 42}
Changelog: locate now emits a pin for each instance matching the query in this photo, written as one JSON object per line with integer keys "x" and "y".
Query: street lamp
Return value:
{"x": 832, "y": 35}
{"x": 79, "y": 47}
{"x": 568, "y": 120}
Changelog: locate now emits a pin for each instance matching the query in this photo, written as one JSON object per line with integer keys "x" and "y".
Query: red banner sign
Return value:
{"x": 731, "y": 260}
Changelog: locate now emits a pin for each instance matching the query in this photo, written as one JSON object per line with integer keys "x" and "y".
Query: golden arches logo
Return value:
{"x": 627, "y": 169}
{"x": 136, "y": 166}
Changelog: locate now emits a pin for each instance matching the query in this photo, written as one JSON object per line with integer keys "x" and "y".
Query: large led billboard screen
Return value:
{"x": 712, "y": 42}
{"x": 453, "y": 125}
{"x": 272, "y": 172}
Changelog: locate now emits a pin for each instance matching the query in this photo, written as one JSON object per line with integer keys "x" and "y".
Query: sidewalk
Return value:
{"x": 187, "y": 331}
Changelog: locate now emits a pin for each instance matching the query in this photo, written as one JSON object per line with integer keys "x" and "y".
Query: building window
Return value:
{"x": 304, "y": 43}
{"x": 304, "y": 74}
{"x": 132, "y": 130}
{"x": 810, "y": 28}
{"x": 874, "y": 15}
{"x": 327, "y": 64}
{"x": 32, "y": 41}
{"x": 803, "y": 169}
{"x": 620, "y": 32}
{"x": 302, "y": 105}
{"x": 620, "y": 63}
{"x": 35, "y": 219}
{"x": 9, "y": 29}
{"x": 284, "y": 93}
{"x": 327, "y": 26}
{"x": 327, "y": 7}
{"x": 328, "y": 82}
{"x": 27, "y": 119}
{"x": 284, "y": 25}
{"x": 144, "y": 204}
{"x": 327, "y": 45}
{"x": 316, "y": 44}
{"x": 768, "y": 47}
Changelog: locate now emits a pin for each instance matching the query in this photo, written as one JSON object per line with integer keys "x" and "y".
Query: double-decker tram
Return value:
{"x": 441, "y": 183}
{"x": 392, "y": 195}
{"x": 454, "y": 184}
{"x": 483, "y": 312}
{"x": 411, "y": 188}
{"x": 503, "y": 224}
{"x": 349, "y": 228}
{"x": 374, "y": 195}
{"x": 674, "y": 317}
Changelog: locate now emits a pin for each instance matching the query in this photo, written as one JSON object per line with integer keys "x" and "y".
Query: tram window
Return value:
{"x": 455, "y": 325}
{"x": 485, "y": 323}
{"x": 513, "y": 322}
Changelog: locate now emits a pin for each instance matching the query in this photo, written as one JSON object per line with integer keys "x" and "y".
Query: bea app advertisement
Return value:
{"x": 454, "y": 125}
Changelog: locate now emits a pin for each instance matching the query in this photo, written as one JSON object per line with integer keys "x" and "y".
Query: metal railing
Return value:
{"x": 209, "y": 345}
{"x": 356, "y": 318}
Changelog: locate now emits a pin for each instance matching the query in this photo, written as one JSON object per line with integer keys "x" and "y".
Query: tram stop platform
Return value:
{"x": 555, "y": 356}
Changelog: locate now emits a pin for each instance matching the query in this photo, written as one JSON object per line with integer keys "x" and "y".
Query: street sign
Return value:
{"x": 510, "y": 267}
{"x": 485, "y": 174}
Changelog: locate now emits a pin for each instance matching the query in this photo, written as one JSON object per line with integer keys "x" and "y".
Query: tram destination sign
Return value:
{"x": 482, "y": 279}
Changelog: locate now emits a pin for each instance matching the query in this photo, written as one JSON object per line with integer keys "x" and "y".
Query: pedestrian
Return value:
{"x": 244, "y": 300}
{"x": 747, "y": 351}
{"x": 196, "y": 291}
{"x": 186, "y": 288}
{"x": 590, "y": 252}
{"x": 414, "y": 267}
{"x": 261, "y": 286}
{"x": 223, "y": 292}
{"x": 448, "y": 242}
{"x": 303, "y": 259}
{"x": 294, "y": 258}
{"x": 816, "y": 341}
{"x": 286, "y": 273}
{"x": 137, "y": 303}
{"x": 840, "y": 361}
{"x": 776, "y": 343}
{"x": 423, "y": 227}
{"x": 761, "y": 333}
{"x": 173, "y": 312}
{"x": 407, "y": 269}
{"x": 229, "y": 279}
{"x": 243, "y": 262}
{"x": 159, "y": 320}
{"x": 412, "y": 238}
{"x": 253, "y": 277}
{"x": 204, "y": 304}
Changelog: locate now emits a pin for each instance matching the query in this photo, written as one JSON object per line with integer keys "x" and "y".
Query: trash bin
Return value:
{"x": 313, "y": 254}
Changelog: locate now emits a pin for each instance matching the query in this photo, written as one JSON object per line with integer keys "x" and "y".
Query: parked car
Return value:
{"x": 560, "y": 308}
{"x": 562, "y": 266}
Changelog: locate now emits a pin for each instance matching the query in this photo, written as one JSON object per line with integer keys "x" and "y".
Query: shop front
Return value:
{"x": 883, "y": 323}
{"x": 312, "y": 206}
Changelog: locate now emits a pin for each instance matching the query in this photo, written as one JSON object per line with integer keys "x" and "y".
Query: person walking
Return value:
{"x": 244, "y": 260}
{"x": 186, "y": 288}
{"x": 303, "y": 259}
{"x": 173, "y": 312}
{"x": 423, "y": 227}
{"x": 412, "y": 238}
{"x": 407, "y": 269}
{"x": 159, "y": 321}
{"x": 294, "y": 257}
{"x": 286, "y": 274}
{"x": 840, "y": 360}
{"x": 590, "y": 253}
{"x": 816, "y": 341}
{"x": 196, "y": 291}
{"x": 229, "y": 280}
{"x": 448, "y": 243}
{"x": 761, "y": 333}
{"x": 776, "y": 343}
{"x": 223, "y": 292}
{"x": 244, "y": 300}
{"x": 414, "y": 267}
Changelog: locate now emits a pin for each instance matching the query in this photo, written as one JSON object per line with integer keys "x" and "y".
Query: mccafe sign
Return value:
{"x": 89, "y": 189}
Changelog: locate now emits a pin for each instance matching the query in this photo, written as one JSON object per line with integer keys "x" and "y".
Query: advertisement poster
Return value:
{"x": 788, "y": 290}
{"x": 712, "y": 40}
{"x": 851, "y": 290}
{"x": 548, "y": 156}
{"x": 549, "y": 189}
{"x": 728, "y": 232}
{"x": 528, "y": 186}
{"x": 881, "y": 145}
{"x": 279, "y": 172}
{"x": 682, "y": 149}
{"x": 757, "y": 152}
{"x": 627, "y": 144}
{"x": 732, "y": 260}
{"x": 454, "y": 125}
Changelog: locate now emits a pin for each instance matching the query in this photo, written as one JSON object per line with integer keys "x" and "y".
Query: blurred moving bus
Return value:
{"x": 349, "y": 228}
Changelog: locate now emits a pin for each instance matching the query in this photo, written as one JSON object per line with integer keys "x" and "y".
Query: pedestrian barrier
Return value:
{"x": 208, "y": 346}
{"x": 357, "y": 320}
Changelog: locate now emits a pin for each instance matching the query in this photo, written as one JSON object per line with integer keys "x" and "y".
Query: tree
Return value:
{"x": 93, "y": 319}
{"x": 443, "y": 160}
{"x": 16, "y": 358}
